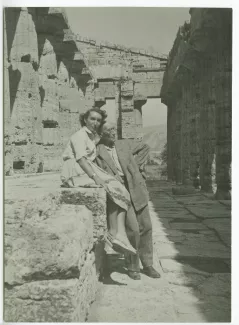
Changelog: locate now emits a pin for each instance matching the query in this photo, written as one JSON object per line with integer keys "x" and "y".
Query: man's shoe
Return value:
{"x": 151, "y": 272}
{"x": 134, "y": 275}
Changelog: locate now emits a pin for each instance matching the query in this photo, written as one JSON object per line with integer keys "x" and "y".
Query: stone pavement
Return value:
{"x": 192, "y": 251}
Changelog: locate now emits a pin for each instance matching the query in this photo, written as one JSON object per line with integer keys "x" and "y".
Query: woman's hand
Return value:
{"x": 99, "y": 181}
{"x": 119, "y": 179}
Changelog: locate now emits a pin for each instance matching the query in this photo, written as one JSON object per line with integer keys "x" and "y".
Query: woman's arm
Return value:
{"x": 89, "y": 171}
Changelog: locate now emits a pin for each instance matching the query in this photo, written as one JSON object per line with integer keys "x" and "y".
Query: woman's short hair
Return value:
{"x": 85, "y": 115}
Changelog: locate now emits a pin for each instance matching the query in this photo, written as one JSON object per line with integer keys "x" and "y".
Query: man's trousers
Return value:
{"x": 139, "y": 231}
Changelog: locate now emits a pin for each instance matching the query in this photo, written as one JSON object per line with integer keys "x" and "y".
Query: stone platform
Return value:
{"x": 192, "y": 251}
{"x": 53, "y": 249}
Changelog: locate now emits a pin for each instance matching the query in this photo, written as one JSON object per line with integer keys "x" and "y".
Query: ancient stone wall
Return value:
{"x": 44, "y": 88}
{"x": 197, "y": 90}
{"x": 50, "y": 75}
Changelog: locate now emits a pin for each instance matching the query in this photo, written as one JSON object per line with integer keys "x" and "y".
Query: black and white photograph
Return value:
{"x": 117, "y": 158}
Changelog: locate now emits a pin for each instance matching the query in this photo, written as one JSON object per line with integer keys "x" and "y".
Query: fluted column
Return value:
{"x": 194, "y": 116}
{"x": 185, "y": 135}
{"x": 169, "y": 142}
{"x": 223, "y": 126}
{"x": 177, "y": 162}
{"x": 207, "y": 127}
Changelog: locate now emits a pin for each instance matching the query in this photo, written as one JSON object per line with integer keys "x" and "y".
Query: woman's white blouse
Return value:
{"x": 81, "y": 144}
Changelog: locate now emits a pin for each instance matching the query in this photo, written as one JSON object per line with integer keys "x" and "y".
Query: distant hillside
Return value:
{"x": 155, "y": 136}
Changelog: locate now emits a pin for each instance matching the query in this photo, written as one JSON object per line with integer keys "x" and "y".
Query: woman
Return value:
{"x": 79, "y": 169}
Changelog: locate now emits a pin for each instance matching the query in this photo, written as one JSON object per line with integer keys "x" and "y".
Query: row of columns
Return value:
{"x": 200, "y": 108}
{"x": 199, "y": 131}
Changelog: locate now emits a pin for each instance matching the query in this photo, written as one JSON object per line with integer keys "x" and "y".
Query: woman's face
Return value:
{"x": 93, "y": 121}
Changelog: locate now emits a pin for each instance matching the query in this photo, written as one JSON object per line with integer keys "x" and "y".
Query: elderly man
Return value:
{"x": 125, "y": 160}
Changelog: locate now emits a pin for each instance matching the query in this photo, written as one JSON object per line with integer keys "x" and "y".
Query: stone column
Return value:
{"x": 24, "y": 91}
{"x": 174, "y": 143}
{"x": 194, "y": 119}
{"x": 185, "y": 135}
{"x": 127, "y": 110}
{"x": 138, "y": 118}
{"x": 223, "y": 124}
{"x": 169, "y": 142}
{"x": 207, "y": 127}
{"x": 118, "y": 109}
{"x": 177, "y": 162}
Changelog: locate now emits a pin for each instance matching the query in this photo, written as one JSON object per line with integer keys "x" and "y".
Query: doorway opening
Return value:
{"x": 154, "y": 115}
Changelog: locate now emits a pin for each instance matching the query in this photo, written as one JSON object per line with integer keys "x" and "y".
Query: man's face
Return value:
{"x": 109, "y": 133}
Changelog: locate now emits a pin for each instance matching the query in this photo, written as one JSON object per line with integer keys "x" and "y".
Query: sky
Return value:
{"x": 151, "y": 28}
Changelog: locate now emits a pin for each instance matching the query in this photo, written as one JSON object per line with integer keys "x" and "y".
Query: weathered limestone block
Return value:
{"x": 108, "y": 71}
{"x": 147, "y": 89}
{"x": 24, "y": 37}
{"x": 53, "y": 300}
{"x": 127, "y": 88}
{"x": 45, "y": 246}
{"x": 95, "y": 200}
{"x": 107, "y": 89}
{"x": 127, "y": 104}
{"x": 128, "y": 118}
{"x": 41, "y": 301}
{"x": 53, "y": 256}
{"x": 139, "y": 76}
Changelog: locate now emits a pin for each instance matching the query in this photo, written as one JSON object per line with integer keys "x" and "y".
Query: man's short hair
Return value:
{"x": 107, "y": 127}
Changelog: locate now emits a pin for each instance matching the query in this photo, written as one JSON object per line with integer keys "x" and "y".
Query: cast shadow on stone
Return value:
{"x": 113, "y": 263}
{"x": 207, "y": 277}
{"x": 11, "y": 19}
{"x": 14, "y": 79}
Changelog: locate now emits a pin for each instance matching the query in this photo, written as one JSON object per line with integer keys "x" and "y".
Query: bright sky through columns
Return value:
{"x": 146, "y": 28}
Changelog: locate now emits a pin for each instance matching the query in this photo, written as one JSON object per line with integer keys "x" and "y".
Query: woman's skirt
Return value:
{"x": 73, "y": 176}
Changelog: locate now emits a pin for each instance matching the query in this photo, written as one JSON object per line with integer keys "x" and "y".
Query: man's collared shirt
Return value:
{"x": 113, "y": 154}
